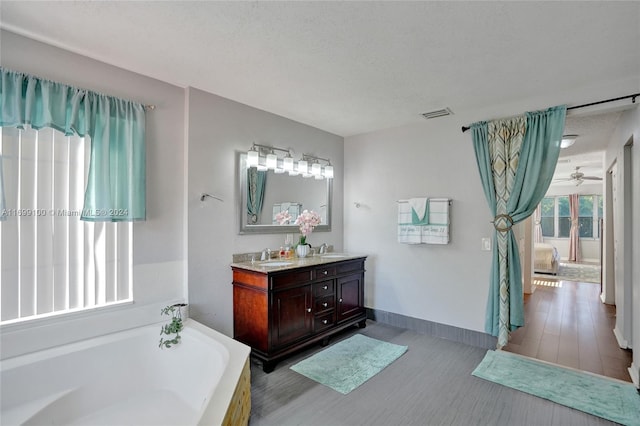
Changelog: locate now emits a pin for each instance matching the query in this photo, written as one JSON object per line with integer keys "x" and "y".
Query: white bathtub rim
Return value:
{"x": 219, "y": 401}
{"x": 213, "y": 408}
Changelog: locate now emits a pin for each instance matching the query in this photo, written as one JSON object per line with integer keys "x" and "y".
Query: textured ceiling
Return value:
{"x": 356, "y": 67}
{"x": 351, "y": 67}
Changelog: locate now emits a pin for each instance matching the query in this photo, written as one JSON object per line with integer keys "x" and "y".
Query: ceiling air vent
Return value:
{"x": 437, "y": 113}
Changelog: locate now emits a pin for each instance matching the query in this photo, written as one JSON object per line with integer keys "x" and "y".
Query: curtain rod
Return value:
{"x": 633, "y": 101}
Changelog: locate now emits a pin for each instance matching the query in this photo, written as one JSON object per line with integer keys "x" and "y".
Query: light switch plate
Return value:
{"x": 486, "y": 244}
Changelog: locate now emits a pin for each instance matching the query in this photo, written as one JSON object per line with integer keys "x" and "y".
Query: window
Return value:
{"x": 599, "y": 216}
{"x": 564, "y": 217}
{"x": 586, "y": 218}
{"x": 548, "y": 207}
{"x": 51, "y": 262}
{"x": 556, "y": 216}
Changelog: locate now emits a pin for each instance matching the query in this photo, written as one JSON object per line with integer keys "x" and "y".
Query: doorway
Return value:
{"x": 571, "y": 323}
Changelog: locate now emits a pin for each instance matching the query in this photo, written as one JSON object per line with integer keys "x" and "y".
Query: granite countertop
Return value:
{"x": 266, "y": 266}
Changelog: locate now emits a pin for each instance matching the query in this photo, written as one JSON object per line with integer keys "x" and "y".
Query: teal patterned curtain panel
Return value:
{"x": 256, "y": 183}
{"x": 516, "y": 159}
{"x": 116, "y": 187}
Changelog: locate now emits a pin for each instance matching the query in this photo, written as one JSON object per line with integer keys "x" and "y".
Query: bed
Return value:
{"x": 546, "y": 259}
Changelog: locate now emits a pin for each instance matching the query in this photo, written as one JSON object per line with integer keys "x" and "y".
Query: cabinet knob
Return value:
{"x": 325, "y": 287}
{"x": 308, "y": 309}
{"x": 325, "y": 273}
{"x": 324, "y": 321}
{"x": 340, "y": 300}
{"x": 325, "y": 304}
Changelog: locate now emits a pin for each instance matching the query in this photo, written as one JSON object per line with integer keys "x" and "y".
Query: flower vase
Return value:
{"x": 302, "y": 250}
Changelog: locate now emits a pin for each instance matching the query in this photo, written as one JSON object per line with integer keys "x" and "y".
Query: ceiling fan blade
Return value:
{"x": 591, "y": 178}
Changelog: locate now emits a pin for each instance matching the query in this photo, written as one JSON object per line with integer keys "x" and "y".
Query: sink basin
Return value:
{"x": 333, "y": 256}
{"x": 276, "y": 263}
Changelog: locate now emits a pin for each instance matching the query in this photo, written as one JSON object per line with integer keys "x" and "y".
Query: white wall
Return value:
{"x": 442, "y": 283}
{"x": 217, "y": 129}
{"x": 158, "y": 258}
{"x": 627, "y": 287}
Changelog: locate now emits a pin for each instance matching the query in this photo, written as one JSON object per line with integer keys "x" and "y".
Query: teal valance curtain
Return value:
{"x": 256, "y": 182}
{"x": 516, "y": 159}
{"x": 116, "y": 187}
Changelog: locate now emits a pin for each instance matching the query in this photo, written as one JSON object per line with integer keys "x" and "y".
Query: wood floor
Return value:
{"x": 567, "y": 324}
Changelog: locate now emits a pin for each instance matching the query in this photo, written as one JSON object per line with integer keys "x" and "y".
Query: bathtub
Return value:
{"x": 125, "y": 379}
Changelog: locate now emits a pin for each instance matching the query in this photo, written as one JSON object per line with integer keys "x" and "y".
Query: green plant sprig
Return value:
{"x": 174, "y": 327}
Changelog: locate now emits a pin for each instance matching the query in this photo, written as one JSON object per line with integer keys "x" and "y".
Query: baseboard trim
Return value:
{"x": 634, "y": 372}
{"x": 621, "y": 340}
{"x": 444, "y": 331}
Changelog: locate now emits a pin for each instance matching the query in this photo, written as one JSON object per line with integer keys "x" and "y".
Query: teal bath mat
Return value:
{"x": 349, "y": 363}
{"x": 610, "y": 399}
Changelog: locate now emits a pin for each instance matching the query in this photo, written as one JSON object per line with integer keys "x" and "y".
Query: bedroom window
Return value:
{"x": 547, "y": 221}
{"x": 556, "y": 216}
{"x": 590, "y": 213}
{"x": 564, "y": 217}
{"x": 585, "y": 216}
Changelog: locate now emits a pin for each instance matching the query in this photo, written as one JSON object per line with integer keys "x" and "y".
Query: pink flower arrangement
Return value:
{"x": 307, "y": 221}
{"x": 283, "y": 218}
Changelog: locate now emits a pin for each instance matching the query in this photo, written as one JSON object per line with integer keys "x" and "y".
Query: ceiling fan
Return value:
{"x": 578, "y": 177}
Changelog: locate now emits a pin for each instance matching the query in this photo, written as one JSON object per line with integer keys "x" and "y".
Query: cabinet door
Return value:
{"x": 292, "y": 317}
{"x": 350, "y": 296}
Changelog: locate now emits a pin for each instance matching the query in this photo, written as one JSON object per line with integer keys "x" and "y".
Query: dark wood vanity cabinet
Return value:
{"x": 279, "y": 312}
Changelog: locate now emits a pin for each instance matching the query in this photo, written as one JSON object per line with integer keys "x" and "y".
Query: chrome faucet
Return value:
{"x": 323, "y": 248}
{"x": 266, "y": 254}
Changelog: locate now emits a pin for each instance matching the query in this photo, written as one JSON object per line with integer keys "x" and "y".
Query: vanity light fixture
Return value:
{"x": 264, "y": 156}
{"x": 317, "y": 170}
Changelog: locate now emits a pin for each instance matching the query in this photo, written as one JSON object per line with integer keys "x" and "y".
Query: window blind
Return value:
{"x": 52, "y": 262}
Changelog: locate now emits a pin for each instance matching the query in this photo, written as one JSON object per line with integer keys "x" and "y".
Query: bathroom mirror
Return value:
{"x": 281, "y": 192}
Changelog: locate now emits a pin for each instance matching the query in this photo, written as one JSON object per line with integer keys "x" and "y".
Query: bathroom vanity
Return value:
{"x": 280, "y": 306}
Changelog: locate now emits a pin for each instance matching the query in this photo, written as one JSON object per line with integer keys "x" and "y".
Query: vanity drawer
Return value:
{"x": 324, "y": 288}
{"x": 324, "y": 321}
{"x": 290, "y": 278}
{"x": 324, "y": 303}
{"x": 344, "y": 267}
{"x": 325, "y": 272}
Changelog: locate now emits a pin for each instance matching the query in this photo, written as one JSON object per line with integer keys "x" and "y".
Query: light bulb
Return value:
{"x": 328, "y": 171}
{"x": 272, "y": 161}
{"x": 303, "y": 167}
{"x": 252, "y": 158}
{"x": 287, "y": 163}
